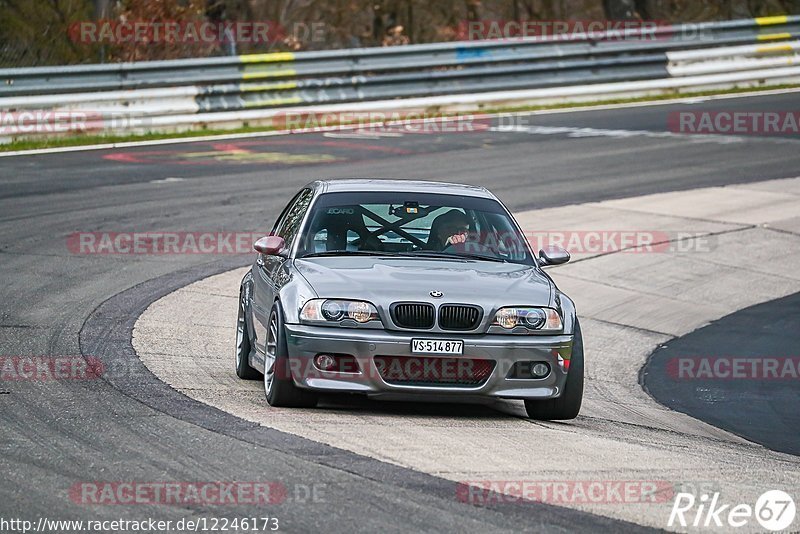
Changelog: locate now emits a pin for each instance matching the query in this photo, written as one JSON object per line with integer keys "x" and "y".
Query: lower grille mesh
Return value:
{"x": 425, "y": 371}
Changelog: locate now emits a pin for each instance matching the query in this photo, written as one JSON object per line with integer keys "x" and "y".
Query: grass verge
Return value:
{"x": 99, "y": 139}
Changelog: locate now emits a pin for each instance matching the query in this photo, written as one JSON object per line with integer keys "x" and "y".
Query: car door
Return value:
{"x": 270, "y": 273}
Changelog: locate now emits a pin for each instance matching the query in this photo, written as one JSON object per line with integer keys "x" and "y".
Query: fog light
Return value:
{"x": 325, "y": 362}
{"x": 540, "y": 370}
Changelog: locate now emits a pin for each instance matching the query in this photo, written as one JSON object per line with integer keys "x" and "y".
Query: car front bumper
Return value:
{"x": 305, "y": 342}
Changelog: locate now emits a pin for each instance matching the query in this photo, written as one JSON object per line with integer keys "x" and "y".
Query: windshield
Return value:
{"x": 396, "y": 223}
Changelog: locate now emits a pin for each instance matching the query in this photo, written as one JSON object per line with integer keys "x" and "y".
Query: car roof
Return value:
{"x": 416, "y": 186}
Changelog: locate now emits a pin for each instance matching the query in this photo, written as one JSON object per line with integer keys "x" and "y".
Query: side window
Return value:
{"x": 282, "y": 216}
{"x": 289, "y": 223}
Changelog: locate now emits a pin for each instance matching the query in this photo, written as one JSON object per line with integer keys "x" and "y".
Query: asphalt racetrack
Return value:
{"x": 764, "y": 412}
{"x": 129, "y": 425}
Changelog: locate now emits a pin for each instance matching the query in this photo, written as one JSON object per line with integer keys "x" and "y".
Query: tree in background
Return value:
{"x": 37, "y": 32}
{"x": 154, "y": 11}
{"x": 706, "y": 10}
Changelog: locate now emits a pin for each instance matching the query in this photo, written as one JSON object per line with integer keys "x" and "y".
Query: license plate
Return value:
{"x": 436, "y": 346}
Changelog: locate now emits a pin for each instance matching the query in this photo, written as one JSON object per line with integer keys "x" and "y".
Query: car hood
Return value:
{"x": 386, "y": 280}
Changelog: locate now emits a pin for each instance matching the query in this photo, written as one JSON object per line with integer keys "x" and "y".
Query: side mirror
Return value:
{"x": 553, "y": 255}
{"x": 270, "y": 245}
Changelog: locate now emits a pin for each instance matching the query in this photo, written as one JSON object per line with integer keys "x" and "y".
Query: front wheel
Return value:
{"x": 243, "y": 345}
{"x": 568, "y": 405}
{"x": 279, "y": 387}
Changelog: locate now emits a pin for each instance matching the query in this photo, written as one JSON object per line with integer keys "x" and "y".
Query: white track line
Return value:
{"x": 250, "y": 135}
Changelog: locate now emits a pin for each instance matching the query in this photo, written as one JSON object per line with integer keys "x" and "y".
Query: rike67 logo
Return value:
{"x": 774, "y": 510}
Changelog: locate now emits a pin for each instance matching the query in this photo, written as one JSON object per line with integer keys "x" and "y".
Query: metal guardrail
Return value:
{"x": 269, "y": 81}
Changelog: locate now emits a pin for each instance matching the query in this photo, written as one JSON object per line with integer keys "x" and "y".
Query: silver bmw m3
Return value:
{"x": 407, "y": 289}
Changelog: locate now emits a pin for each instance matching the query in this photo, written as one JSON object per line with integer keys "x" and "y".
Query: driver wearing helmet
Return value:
{"x": 451, "y": 228}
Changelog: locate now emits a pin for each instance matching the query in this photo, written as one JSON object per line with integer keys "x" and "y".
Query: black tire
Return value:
{"x": 279, "y": 387}
{"x": 243, "y": 345}
{"x": 568, "y": 405}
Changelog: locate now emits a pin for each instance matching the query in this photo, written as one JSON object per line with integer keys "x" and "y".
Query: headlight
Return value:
{"x": 539, "y": 319}
{"x": 336, "y": 311}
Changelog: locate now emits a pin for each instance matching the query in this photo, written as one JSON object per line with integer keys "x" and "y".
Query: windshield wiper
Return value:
{"x": 445, "y": 255}
{"x": 347, "y": 253}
